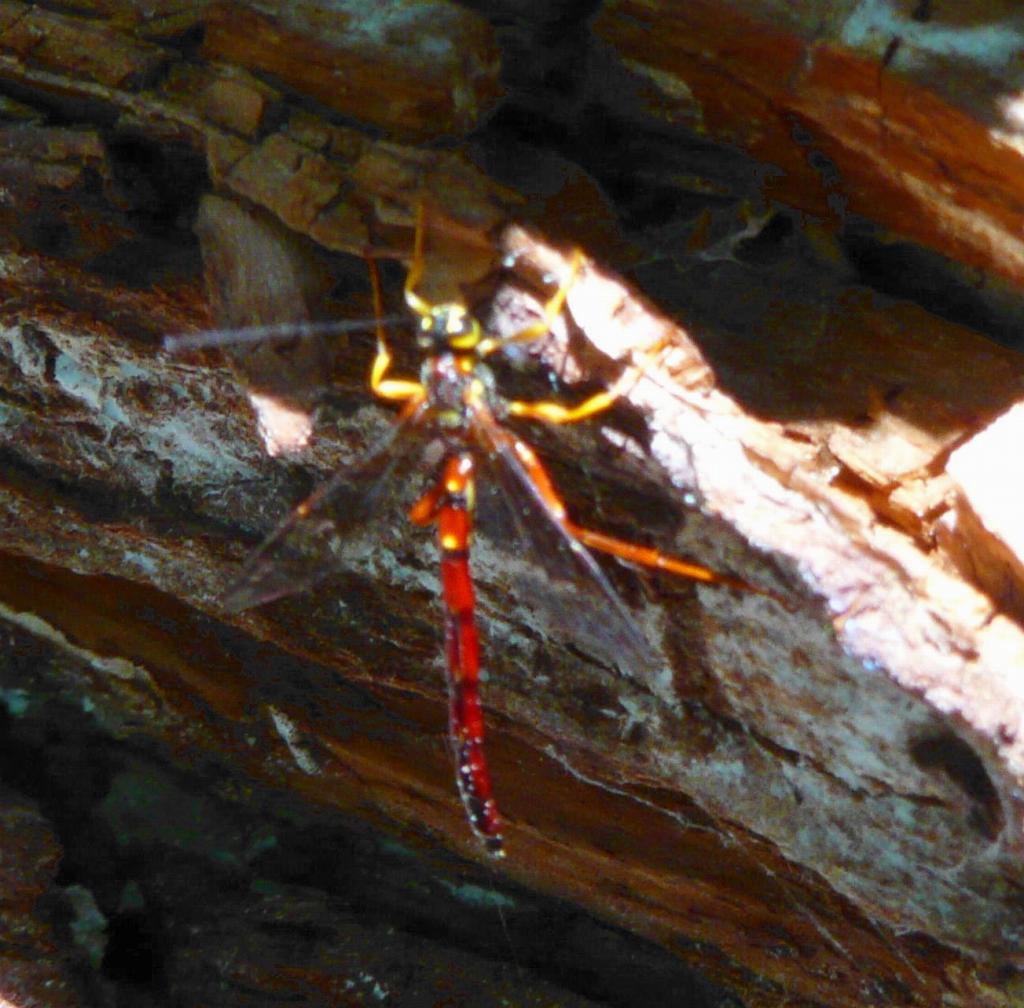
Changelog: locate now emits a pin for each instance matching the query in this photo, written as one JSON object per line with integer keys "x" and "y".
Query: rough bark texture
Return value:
{"x": 799, "y": 221}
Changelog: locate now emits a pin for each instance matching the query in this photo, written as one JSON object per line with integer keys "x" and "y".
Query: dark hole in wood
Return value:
{"x": 960, "y": 764}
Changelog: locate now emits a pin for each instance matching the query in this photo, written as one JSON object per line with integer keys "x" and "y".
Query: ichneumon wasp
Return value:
{"x": 451, "y": 421}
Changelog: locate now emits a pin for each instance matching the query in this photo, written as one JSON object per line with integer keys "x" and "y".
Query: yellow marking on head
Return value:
{"x": 466, "y": 341}
{"x": 453, "y": 486}
{"x": 449, "y": 542}
{"x": 456, "y": 317}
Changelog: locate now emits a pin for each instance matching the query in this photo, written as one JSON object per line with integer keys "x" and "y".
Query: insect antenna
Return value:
{"x": 180, "y": 342}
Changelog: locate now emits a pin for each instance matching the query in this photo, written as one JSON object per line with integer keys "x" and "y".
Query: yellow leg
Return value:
{"x": 398, "y": 389}
{"x": 412, "y": 299}
{"x": 552, "y": 309}
{"x": 556, "y": 413}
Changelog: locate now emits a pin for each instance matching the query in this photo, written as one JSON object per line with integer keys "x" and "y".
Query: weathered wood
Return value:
{"x": 422, "y": 70}
{"x": 902, "y": 111}
{"x": 817, "y": 800}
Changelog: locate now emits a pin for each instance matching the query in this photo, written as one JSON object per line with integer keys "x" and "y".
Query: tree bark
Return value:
{"x": 812, "y": 795}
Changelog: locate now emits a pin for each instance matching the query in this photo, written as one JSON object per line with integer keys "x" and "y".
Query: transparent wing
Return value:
{"x": 559, "y": 576}
{"x": 308, "y": 545}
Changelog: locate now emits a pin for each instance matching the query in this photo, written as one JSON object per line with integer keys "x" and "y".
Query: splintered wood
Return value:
{"x": 815, "y": 802}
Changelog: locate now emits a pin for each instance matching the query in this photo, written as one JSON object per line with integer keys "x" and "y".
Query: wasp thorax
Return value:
{"x": 451, "y": 326}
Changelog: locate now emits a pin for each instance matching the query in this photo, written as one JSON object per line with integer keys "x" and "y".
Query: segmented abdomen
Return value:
{"x": 454, "y": 516}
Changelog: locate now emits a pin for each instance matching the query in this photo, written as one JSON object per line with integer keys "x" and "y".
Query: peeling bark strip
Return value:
{"x": 920, "y": 117}
{"x": 89, "y": 51}
{"x": 421, "y": 71}
{"x": 820, "y": 807}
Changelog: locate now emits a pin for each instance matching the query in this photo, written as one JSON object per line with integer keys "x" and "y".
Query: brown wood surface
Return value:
{"x": 814, "y": 797}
